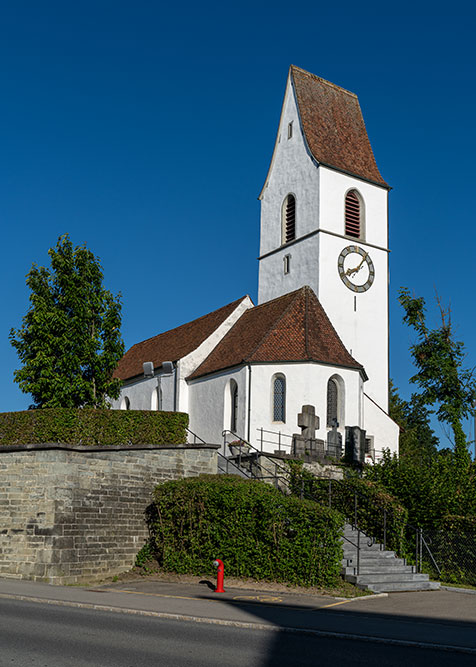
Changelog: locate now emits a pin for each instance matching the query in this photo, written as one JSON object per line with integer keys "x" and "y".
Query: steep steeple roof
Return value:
{"x": 293, "y": 327}
{"x": 334, "y": 127}
{"x": 174, "y": 344}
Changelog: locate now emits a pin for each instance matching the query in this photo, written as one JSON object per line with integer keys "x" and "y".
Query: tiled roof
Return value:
{"x": 334, "y": 126}
{"x": 174, "y": 344}
{"x": 293, "y": 327}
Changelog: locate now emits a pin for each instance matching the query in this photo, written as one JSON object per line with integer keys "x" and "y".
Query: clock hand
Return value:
{"x": 352, "y": 272}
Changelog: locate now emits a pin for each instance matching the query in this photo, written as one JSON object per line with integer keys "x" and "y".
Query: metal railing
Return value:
{"x": 249, "y": 462}
{"x": 284, "y": 444}
{"x": 278, "y": 440}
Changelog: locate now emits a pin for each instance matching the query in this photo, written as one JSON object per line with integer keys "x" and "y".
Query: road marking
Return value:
{"x": 334, "y": 604}
{"x": 247, "y": 626}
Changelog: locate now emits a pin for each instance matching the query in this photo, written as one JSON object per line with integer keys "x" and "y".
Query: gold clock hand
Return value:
{"x": 352, "y": 272}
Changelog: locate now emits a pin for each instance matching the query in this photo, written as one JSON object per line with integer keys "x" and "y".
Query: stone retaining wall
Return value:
{"x": 72, "y": 514}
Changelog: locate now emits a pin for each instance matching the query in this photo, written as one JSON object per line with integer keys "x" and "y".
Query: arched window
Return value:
{"x": 288, "y": 219}
{"x": 332, "y": 403}
{"x": 234, "y": 406}
{"x": 279, "y": 398}
{"x": 155, "y": 401}
{"x": 353, "y": 215}
{"x": 125, "y": 404}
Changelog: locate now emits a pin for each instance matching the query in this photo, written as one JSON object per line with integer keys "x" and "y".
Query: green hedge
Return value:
{"x": 87, "y": 426}
{"x": 253, "y": 528}
{"x": 375, "y": 507}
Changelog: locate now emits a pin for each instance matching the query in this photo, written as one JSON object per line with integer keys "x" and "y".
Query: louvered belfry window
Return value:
{"x": 352, "y": 215}
{"x": 289, "y": 219}
{"x": 279, "y": 399}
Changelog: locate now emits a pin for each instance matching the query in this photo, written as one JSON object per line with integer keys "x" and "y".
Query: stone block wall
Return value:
{"x": 73, "y": 514}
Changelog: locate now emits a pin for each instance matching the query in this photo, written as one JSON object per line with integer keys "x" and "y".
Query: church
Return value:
{"x": 319, "y": 334}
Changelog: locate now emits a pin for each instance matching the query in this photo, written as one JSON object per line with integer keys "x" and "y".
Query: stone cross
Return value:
{"x": 305, "y": 442}
{"x": 308, "y": 422}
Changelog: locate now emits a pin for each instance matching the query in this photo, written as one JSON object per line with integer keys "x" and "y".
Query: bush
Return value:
{"x": 253, "y": 528}
{"x": 87, "y": 426}
{"x": 377, "y": 511}
{"x": 441, "y": 486}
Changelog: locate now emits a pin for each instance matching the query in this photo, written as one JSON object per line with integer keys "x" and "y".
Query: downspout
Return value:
{"x": 175, "y": 386}
{"x": 249, "y": 402}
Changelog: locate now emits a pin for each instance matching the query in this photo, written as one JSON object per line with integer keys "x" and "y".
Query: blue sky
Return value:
{"x": 146, "y": 131}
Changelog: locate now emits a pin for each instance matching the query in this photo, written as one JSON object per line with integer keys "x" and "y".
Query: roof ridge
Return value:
{"x": 279, "y": 318}
{"x": 324, "y": 81}
{"x": 197, "y": 319}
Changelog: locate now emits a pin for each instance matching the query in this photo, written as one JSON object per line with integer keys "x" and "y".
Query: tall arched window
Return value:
{"x": 234, "y": 406}
{"x": 288, "y": 219}
{"x": 332, "y": 402}
{"x": 353, "y": 215}
{"x": 279, "y": 398}
{"x": 125, "y": 403}
{"x": 156, "y": 399}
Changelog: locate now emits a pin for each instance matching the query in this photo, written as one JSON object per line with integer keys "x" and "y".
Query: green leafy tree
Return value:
{"x": 443, "y": 381}
{"x": 417, "y": 438}
{"x": 69, "y": 342}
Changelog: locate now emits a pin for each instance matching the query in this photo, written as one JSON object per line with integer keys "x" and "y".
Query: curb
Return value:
{"x": 246, "y": 626}
{"x": 468, "y": 591}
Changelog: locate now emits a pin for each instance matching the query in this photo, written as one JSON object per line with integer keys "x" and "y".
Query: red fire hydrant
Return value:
{"x": 220, "y": 575}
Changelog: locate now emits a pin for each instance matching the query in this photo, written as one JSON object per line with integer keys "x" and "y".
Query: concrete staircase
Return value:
{"x": 380, "y": 571}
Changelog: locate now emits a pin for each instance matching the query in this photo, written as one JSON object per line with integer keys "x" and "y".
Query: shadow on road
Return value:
{"x": 344, "y": 635}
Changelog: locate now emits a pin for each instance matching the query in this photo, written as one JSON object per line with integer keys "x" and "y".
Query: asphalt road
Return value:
{"x": 147, "y": 621}
{"x": 40, "y": 635}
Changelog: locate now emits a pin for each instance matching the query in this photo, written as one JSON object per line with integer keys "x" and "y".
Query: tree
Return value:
{"x": 69, "y": 342}
{"x": 417, "y": 438}
{"x": 443, "y": 381}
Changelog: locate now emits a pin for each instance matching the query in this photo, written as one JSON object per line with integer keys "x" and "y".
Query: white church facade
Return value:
{"x": 319, "y": 333}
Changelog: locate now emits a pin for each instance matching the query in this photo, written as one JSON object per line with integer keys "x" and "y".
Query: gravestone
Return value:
{"x": 354, "y": 444}
{"x": 334, "y": 441}
{"x": 306, "y": 443}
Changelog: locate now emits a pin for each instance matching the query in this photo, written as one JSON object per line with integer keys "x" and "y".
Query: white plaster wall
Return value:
{"x": 306, "y": 384}
{"x": 206, "y": 404}
{"x": 293, "y": 171}
{"x": 139, "y": 392}
{"x": 333, "y": 189}
{"x": 360, "y": 319}
{"x": 378, "y": 424}
{"x": 189, "y": 363}
{"x": 304, "y": 270}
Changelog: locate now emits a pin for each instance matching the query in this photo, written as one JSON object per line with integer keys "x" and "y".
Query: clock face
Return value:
{"x": 355, "y": 268}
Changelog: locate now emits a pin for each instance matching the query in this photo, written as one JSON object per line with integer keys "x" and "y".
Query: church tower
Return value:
{"x": 324, "y": 220}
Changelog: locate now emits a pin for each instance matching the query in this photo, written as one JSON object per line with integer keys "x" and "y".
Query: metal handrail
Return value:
{"x": 281, "y": 480}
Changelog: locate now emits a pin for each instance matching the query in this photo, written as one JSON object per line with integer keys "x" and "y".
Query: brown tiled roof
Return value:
{"x": 293, "y": 327}
{"x": 174, "y": 344}
{"x": 334, "y": 126}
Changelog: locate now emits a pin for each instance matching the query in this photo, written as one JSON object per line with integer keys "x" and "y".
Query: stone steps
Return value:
{"x": 379, "y": 570}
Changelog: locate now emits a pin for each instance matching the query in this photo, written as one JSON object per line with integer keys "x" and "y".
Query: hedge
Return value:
{"x": 253, "y": 528}
{"x": 88, "y": 426}
{"x": 374, "y": 505}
